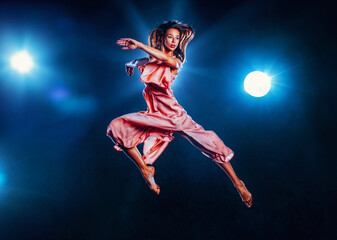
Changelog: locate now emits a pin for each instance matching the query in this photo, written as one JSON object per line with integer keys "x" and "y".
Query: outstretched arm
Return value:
{"x": 130, "y": 43}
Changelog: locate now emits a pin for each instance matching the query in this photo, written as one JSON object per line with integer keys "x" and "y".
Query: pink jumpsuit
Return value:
{"x": 164, "y": 116}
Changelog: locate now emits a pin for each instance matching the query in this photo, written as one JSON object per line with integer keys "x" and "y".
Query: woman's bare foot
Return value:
{"x": 148, "y": 175}
{"x": 246, "y": 196}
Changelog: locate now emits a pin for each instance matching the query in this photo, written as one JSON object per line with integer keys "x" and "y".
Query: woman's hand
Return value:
{"x": 129, "y": 70}
{"x": 128, "y": 43}
{"x": 129, "y": 67}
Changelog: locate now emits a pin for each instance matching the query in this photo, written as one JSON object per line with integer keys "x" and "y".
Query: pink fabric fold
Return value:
{"x": 164, "y": 116}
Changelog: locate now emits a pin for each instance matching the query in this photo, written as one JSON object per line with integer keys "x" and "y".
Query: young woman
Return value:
{"x": 164, "y": 116}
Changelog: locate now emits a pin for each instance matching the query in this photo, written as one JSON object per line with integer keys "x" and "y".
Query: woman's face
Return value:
{"x": 171, "y": 39}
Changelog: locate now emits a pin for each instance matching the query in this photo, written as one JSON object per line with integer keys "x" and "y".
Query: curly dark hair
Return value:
{"x": 186, "y": 35}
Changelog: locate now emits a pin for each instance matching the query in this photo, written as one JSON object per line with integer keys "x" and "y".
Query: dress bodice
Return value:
{"x": 157, "y": 72}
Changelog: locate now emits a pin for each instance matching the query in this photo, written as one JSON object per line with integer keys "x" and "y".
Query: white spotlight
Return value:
{"x": 22, "y": 62}
{"x": 257, "y": 84}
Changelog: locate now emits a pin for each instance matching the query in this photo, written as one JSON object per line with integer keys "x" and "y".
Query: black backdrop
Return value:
{"x": 60, "y": 177}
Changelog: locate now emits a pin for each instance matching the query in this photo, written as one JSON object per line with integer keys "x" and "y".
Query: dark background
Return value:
{"x": 60, "y": 177}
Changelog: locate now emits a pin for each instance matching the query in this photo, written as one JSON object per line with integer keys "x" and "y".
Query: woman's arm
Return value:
{"x": 130, "y": 43}
{"x": 171, "y": 62}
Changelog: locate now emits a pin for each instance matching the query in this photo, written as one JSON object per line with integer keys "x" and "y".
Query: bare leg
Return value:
{"x": 146, "y": 171}
{"x": 240, "y": 186}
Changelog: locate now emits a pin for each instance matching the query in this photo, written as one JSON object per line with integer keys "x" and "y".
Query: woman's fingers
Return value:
{"x": 127, "y": 42}
{"x": 124, "y": 41}
{"x": 129, "y": 71}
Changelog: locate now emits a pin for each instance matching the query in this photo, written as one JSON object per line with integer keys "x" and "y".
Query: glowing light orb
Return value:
{"x": 22, "y": 62}
{"x": 257, "y": 84}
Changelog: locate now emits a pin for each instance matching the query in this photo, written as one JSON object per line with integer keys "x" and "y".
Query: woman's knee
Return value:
{"x": 114, "y": 127}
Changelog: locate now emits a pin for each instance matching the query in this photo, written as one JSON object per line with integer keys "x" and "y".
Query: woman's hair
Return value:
{"x": 186, "y": 35}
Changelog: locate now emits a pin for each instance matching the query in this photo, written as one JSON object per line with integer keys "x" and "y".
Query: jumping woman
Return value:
{"x": 164, "y": 116}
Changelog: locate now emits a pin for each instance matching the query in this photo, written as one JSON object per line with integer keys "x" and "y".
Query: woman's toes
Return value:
{"x": 150, "y": 180}
{"x": 249, "y": 202}
{"x": 156, "y": 189}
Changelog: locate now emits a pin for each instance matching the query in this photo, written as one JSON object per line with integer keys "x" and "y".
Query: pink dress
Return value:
{"x": 164, "y": 116}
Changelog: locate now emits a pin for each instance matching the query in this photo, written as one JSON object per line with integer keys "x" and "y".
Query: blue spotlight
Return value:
{"x": 22, "y": 62}
{"x": 2, "y": 179}
{"x": 257, "y": 84}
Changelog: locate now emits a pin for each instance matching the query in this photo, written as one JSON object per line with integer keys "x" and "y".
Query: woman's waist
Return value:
{"x": 155, "y": 88}
{"x": 161, "y": 99}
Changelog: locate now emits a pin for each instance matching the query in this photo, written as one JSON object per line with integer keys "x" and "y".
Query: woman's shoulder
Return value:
{"x": 179, "y": 64}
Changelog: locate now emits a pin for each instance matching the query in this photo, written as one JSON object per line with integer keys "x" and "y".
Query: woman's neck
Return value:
{"x": 168, "y": 52}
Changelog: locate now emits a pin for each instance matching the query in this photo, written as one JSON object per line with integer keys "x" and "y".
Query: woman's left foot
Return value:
{"x": 148, "y": 175}
{"x": 246, "y": 196}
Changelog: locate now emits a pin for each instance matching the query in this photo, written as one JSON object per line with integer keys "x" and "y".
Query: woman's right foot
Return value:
{"x": 148, "y": 175}
{"x": 246, "y": 196}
